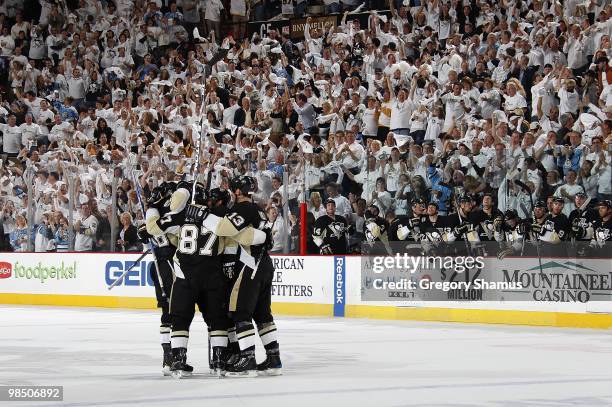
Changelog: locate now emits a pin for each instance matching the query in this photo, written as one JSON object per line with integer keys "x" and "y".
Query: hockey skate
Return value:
{"x": 180, "y": 368}
{"x": 217, "y": 362}
{"x": 231, "y": 354}
{"x": 244, "y": 366}
{"x": 167, "y": 361}
{"x": 272, "y": 366}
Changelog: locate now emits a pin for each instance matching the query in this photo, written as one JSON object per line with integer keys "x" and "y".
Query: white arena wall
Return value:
{"x": 303, "y": 286}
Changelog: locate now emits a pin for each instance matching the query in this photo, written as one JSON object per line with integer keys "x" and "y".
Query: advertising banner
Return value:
{"x": 295, "y": 26}
{"x": 296, "y": 279}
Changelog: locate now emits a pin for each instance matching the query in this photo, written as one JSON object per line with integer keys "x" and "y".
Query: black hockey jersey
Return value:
{"x": 245, "y": 214}
{"x": 554, "y": 229}
{"x": 453, "y": 222}
{"x": 483, "y": 223}
{"x": 602, "y": 231}
{"x": 197, "y": 243}
{"x": 581, "y": 222}
{"x": 331, "y": 232}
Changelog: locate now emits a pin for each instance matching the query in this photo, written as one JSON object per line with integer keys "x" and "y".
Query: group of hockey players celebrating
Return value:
{"x": 216, "y": 257}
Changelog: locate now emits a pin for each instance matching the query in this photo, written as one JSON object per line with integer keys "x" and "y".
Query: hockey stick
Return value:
{"x": 458, "y": 209}
{"x": 525, "y": 188}
{"x": 125, "y": 273}
{"x": 196, "y": 164}
{"x": 144, "y": 212}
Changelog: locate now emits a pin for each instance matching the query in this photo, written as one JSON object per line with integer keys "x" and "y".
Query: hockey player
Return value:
{"x": 375, "y": 228}
{"x": 406, "y": 227}
{"x": 331, "y": 231}
{"x": 510, "y": 231}
{"x": 461, "y": 225}
{"x": 432, "y": 229}
{"x": 581, "y": 219}
{"x": 602, "y": 235}
{"x": 164, "y": 247}
{"x": 484, "y": 218}
{"x": 251, "y": 295}
{"x": 550, "y": 228}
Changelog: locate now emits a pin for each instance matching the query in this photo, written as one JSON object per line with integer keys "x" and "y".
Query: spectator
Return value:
{"x": 128, "y": 238}
{"x": 85, "y": 228}
{"x": 20, "y": 236}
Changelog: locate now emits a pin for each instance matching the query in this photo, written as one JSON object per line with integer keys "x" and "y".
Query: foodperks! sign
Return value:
{"x": 43, "y": 272}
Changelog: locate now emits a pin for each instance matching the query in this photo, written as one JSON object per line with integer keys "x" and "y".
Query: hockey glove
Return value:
{"x": 414, "y": 222}
{"x": 459, "y": 230}
{"x": 577, "y": 231}
{"x": 269, "y": 243}
{"x": 195, "y": 214}
{"x": 505, "y": 252}
{"x": 326, "y": 249}
{"x": 536, "y": 228}
{"x": 497, "y": 224}
{"x": 143, "y": 235}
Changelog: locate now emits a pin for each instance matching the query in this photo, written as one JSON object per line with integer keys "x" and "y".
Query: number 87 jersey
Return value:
{"x": 200, "y": 240}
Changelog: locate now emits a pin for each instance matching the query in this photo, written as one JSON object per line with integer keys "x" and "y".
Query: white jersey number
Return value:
{"x": 188, "y": 242}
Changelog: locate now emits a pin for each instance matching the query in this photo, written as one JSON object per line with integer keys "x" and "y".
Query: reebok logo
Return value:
{"x": 6, "y": 269}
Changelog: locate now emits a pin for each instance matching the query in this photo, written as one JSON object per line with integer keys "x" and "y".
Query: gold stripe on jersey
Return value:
{"x": 234, "y": 295}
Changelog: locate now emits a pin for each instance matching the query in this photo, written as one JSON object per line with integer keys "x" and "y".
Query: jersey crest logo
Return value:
{"x": 602, "y": 234}
{"x": 337, "y": 229}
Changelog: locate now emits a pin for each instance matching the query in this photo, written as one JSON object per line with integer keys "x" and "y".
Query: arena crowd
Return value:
{"x": 427, "y": 103}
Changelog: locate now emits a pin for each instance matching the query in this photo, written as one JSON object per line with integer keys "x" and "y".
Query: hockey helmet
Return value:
{"x": 371, "y": 212}
{"x": 540, "y": 204}
{"x": 510, "y": 214}
{"x": 558, "y": 199}
{"x": 184, "y": 184}
{"x": 218, "y": 194}
{"x": 200, "y": 196}
{"x": 160, "y": 193}
{"x": 244, "y": 183}
{"x": 465, "y": 198}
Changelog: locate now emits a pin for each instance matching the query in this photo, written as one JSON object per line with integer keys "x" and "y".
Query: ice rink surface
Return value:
{"x": 112, "y": 358}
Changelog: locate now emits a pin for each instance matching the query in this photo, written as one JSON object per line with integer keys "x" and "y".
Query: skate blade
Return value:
{"x": 181, "y": 374}
{"x": 270, "y": 372}
{"x": 166, "y": 371}
{"x": 248, "y": 373}
{"x": 217, "y": 372}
